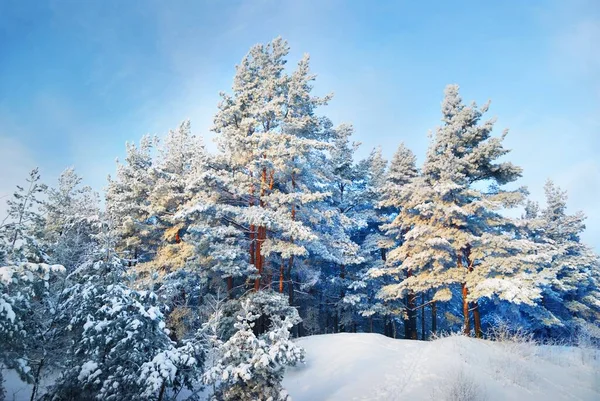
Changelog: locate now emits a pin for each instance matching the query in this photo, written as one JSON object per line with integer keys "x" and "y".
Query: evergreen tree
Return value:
{"x": 250, "y": 366}
{"x": 20, "y": 229}
{"x": 119, "y": 347}
{"x": 573, "y": 295}
{"x": 452, "y": 231}
{"x": 127, "y": 203}
{"x": 71, "y": 215}
{"x": 28, "y": 309}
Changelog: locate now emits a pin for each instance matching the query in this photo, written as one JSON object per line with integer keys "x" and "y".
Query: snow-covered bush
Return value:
{"x": 459, "y": 387}
{"x": 250, "y": 365}
{"x": 515, "y": 340}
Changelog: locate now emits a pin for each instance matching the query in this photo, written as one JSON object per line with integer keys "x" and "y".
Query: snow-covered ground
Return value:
{"x": 374, "y": 367}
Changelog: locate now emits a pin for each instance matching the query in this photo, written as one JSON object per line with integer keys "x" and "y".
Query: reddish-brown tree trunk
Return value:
{"x": 259, "y": 258}
{"x": 290, "y": 281}
{"x": 476, "y": 319}
{"x": 230, "y": 287}
{"x": 465, "y": 293}
{"x": 252, "y": 228}
{"x": 281, "y": 278}
{"x": 412, "y": 315}
{"x": 161, "y": 394}
{"x": 467, "y": 321}
{"x": 474, "y": 305}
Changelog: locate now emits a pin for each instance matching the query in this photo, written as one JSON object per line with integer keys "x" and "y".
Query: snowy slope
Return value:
{"x": 374, "y": 367}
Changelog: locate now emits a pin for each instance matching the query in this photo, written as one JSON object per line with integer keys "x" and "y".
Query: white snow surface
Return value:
{"x": 374, "y": 367}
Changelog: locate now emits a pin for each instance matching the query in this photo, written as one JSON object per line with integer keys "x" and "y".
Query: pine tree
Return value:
{"x": 28, "y": 309}
{"x": 250, "y": 366}
{"x": 453, "y": 231}
{"x": 572, "y": 295}
{"x": 71, "y": 220}
{"x": 119, "y": 348}
{"x": 268, "y": 180}
{"x": 20, "y": 229}
{"x": 127, "y": 203}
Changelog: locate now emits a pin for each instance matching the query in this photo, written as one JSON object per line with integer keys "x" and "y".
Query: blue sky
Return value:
{"x": 79, "y": 78}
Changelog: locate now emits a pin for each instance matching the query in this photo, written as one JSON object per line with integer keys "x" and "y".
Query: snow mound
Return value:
{"x": 373, "y": 367}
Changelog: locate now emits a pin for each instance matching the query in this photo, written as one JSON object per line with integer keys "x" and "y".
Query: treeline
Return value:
{"x": 202, "y": 266}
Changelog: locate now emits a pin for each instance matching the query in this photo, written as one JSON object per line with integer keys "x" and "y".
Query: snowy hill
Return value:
{"x": 374, "y": 367}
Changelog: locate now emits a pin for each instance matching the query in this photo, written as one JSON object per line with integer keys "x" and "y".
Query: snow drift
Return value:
{"x": 374, "y": 367}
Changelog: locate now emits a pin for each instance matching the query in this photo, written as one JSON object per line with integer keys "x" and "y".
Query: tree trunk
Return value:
{"x": 467, "y": 321}
{"x": 281, "y": 278}
{"x": 406, "y": 321}
{"x": 433, "y": 318}
{"x": 370, "y": 324}
{"x": 412, "y": 315}
{"x": 474, "y": 305}
{"x": 258, "y": 259}
{"x": 290, "y": 281}
{"x": 161, "y": 394}
{"x": 476, "y": 319}
{"x": 465, "y": 293}
{"x": 423, "y": 317}
{"x": 230, "y": 287}
{"x": 36, "y": 380}
{"x": 342, "y": 295}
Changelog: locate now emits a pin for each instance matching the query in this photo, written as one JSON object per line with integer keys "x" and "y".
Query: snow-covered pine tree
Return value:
{"x": 396, "y": 189}
{"x": 250, "y": 366}
{"x": 28, "y": 311}
{"x": 118, "y": 348}
{"x": 272, "y": 144}
{"x": 173, "y": 271}
{"x": 127, "y": 202}
{"x": 370, "y": 239}
{"x": 181, "y": 158}
{"x": 71, "y": 215}
{"x": 29, "y": 290}
{"x": 347, "y": 181}
{"x": 573, "y": 295}
{"x": 20, "y": 230}
{"x": 453, "y": 230}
